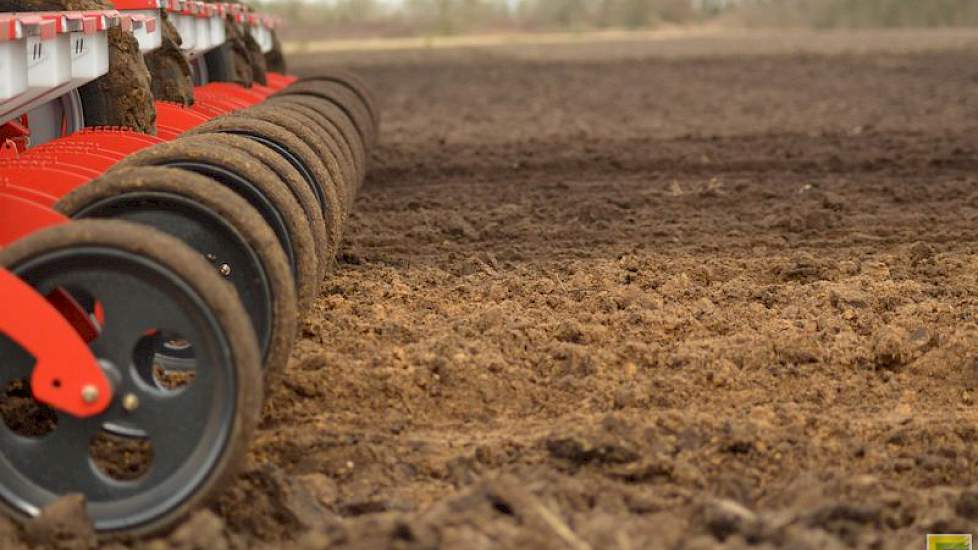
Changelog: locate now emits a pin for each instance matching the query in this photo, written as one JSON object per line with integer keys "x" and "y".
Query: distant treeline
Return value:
{"x": 337, "y": 18}
{"x": 859, "y": 13}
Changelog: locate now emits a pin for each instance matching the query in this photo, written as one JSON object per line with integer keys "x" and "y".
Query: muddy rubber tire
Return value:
{"x": 305, "y": 160}
{"x": 350, "y": 103}
{"x": 320, "y": 141}
{"x": 334, "y": 140}
{"x": 352, "y": 157}
{"x": 325, "y": 243}
{"x": 238, "y": 170}
{"x": 300, "y": 128}
{"x": 106, "y": 197}
{"x": 240, "y": 357}
{"x": 356, "y": 85}
{"x": 342, "y": 97}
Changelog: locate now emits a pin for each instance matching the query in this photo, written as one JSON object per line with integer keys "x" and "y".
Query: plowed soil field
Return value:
{"x": 640, "y": 296}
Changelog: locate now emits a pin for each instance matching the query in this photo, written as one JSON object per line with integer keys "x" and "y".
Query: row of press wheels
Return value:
{"x": 193, "y": 259}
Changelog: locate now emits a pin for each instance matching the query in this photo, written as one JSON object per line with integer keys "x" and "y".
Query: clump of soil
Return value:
{"x": 169, "y": 69}
{"x": 275, "y": 59}
{"x": 126, "y": 89}
{"x": 248, "y": 63}
{"x": 61, "y": 525}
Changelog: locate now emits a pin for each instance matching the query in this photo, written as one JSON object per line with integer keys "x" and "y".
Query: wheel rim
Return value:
{"x": 189, "y": 429}
{"x": 198, "y": 71}
{"x": 56, "y": 118}
{"x": 292, "y": 159}
{"x": 207, "y": 233}
{"x": 252, "y": 194}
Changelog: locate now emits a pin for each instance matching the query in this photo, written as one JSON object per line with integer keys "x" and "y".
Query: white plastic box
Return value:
{"x": 13, "y": 59}
{"x": 217, "y": 32}
{"x": 209, "y": 30}
{"x": 59, "y": 51}
{"x": 48, "y": 62}
{"x": 89, "y": 50}
{"x": 200, "y": 25}
{"x": 202, "y": 33}
{"x": 262, "y": 35}
{"x": 150, "y": 34}
{"x": 187, "y": 27}
{"x": 47, "y": 54}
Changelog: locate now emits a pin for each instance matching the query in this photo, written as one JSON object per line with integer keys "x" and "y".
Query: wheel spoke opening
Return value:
{"x": 165, "y": 360}
{"x": 24, "y": 415}
{"x": 122, "y": 458}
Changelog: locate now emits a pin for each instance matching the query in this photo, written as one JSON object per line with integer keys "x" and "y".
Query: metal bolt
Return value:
{"x": 225, "y": 270}
{"x": 211, "y": 257}
{"x": 89, "y": 393}
{"x": 130, "y": 402}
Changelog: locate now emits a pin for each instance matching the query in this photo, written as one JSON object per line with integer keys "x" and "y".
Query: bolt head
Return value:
{"x": 225, "y": 270}
{"x": 89, "y": 393}
{"x": 130, "y": 402}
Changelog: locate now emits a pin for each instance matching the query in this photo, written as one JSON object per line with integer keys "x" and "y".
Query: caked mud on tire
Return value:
{"x": 356, "y": 85}
{"x": 300, "y": 155}
{"x": 329, "y": 176}
{"x": 324, "y": 242}
{"x": 320, "y": 140}
{"x": 343, "y": 97}
{"x": 257, "y": 184}
{"x": 351, "y": 153}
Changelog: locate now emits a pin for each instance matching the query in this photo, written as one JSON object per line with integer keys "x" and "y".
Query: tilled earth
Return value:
{"x": 639, "y": 302}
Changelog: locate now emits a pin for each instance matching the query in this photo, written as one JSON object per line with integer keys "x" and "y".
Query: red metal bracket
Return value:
{"x": 64, "y": 365}
{"x": 66, "y": 375}
{"x": 14, "y": 133}
{"x": 8, "y": 149}
{"x": 145, "y": 5}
